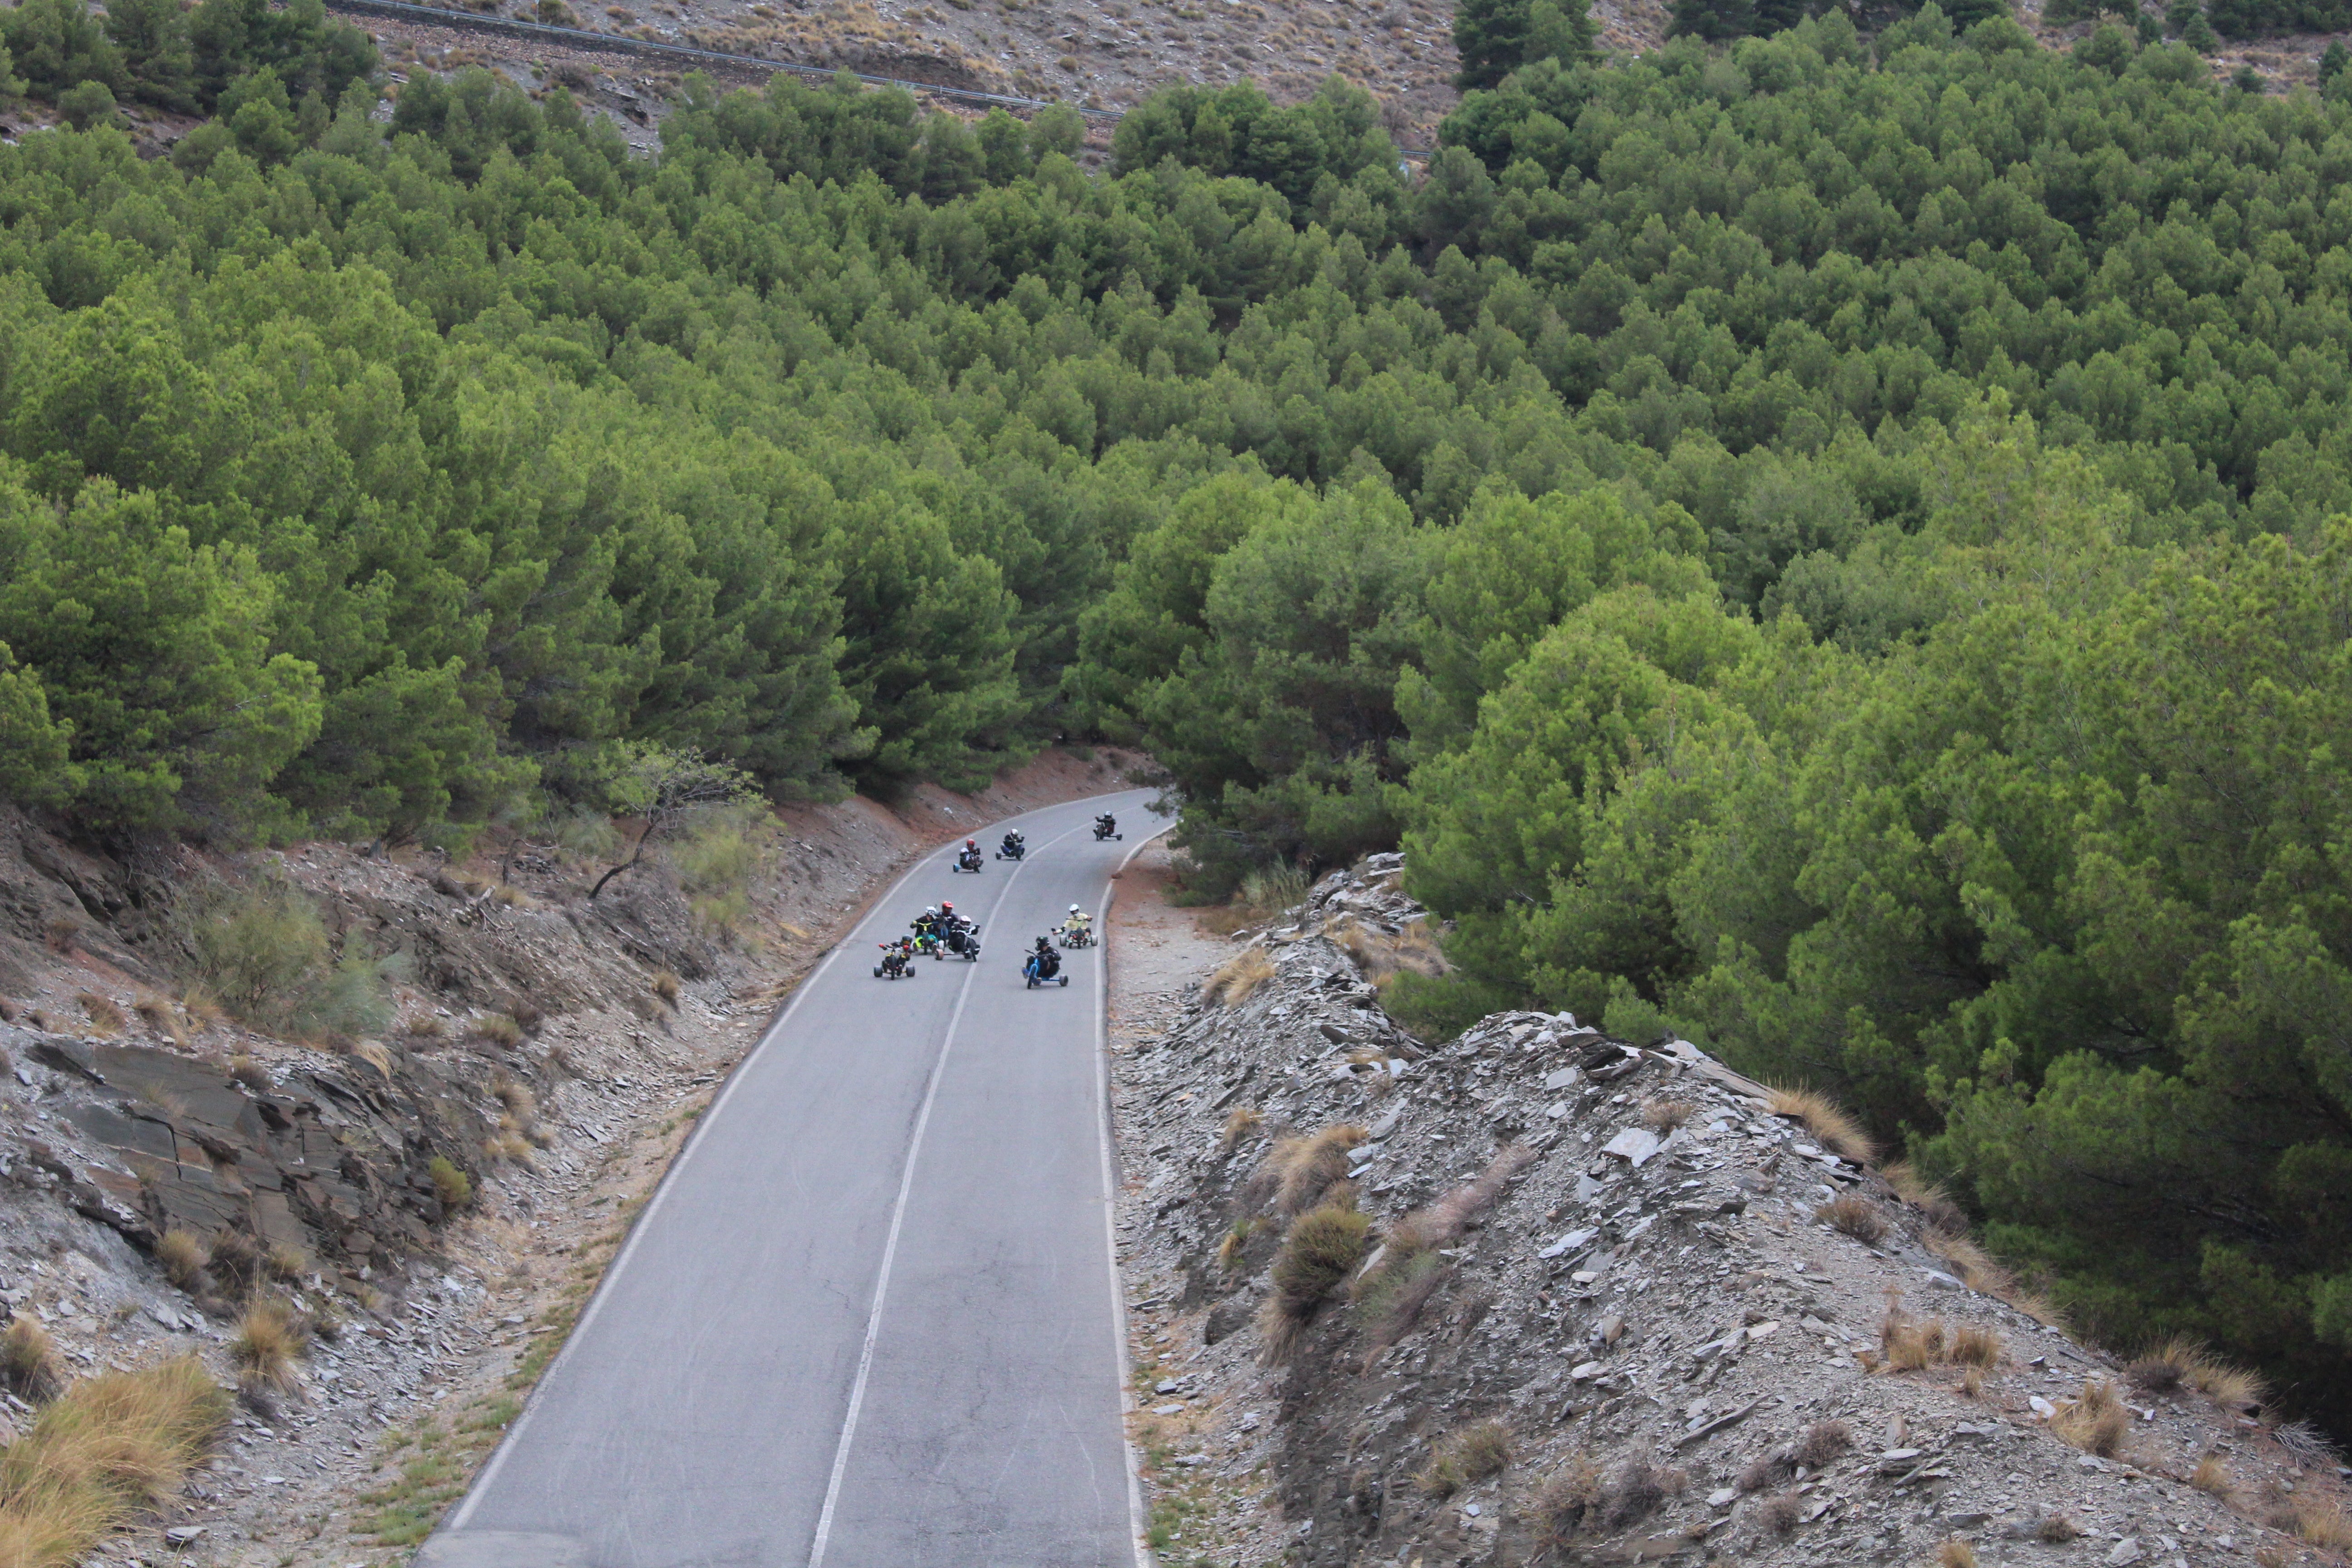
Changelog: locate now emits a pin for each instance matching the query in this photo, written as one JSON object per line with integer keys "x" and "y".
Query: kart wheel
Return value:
{"x": 1066, "y": 982}
{"x": 877, "y": 974}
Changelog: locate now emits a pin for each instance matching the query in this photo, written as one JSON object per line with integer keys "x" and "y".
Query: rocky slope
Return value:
{"x": 1603, "y": 1304}
{"x": 551, "y": 1050}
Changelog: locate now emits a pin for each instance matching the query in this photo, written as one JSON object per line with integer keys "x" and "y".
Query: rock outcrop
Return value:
{"x": 1610, "y": 1306}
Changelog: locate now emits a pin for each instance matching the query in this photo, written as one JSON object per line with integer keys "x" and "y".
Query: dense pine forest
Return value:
{"x": 1837, "y": 547}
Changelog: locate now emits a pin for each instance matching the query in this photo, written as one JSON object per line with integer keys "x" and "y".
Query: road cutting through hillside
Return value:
{"x": 871, "y": 1317}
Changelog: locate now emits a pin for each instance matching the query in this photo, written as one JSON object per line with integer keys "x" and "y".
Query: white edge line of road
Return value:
{"x": 897, "y": 1221}
{"x": 483, "y": 1482}
{"x": 1144, "y": 1556}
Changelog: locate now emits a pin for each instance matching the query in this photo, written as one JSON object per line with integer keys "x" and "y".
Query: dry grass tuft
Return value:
{"x": 236, "y": 1258}
{"x": 1909, "y": 1345}
{"x": 2212, "y": 1478}
{"x": 1766, "y": 1470}
{"x": 1240, "y": 977}
{"x": 1635, "y": 1492}
{"x": 1244, "y": 1120}
{"x": 1380, "y": 957}
{"x": 105, "y": 1017}
{"x": 1822, "y": 1444}
{"x": 424, "y": 1027}
{"x": 2096, "y": 1422}
{"x": 1855, "y": 1216}
{"x": 112, "y": 1448}
{"x": 1476, "y": 1453}
{"x": 1972, "y": 1346}
{"x": 1929, "y": 1197}
{"x": 1665, "y": 1115}
{"x": 1302, "y": 1168}
{"x": 1827, "y": 1121}
{"x": 29, "y": 1360}
{"x": 498, "y": 1029}
{"x": 286, "y": 1261}
{"x": 267, "y": 1340}
{"x": 2179, "y": 1359}
{"x": 248, "y": 1072}
{"x": 667, "y": 987}
{"x": 1779, "y": 1516}
{"x": 1323, "y": 1248}
{"x": 2057, "y": 1529}
{"x": 161, "y": 1018}
{"x": 1955, "y": 1554}
{"x": 2324, "y": 1525}
{"x": 1231, "y": 1250}
{"x": 1567, "y": 1498}
{"x": 513, "y": 1147}
{"x": 183, "y": 1257}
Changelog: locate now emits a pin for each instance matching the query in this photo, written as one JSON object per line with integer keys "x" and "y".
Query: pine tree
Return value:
{"x": 1491, "y": 37}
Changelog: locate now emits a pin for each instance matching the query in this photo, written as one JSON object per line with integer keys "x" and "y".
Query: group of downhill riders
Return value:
{"x": 938, "y": 931}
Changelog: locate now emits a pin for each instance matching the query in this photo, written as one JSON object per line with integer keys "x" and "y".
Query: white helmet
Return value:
{"x": 1074, "y": 909}
{"x": 930, "y": 909}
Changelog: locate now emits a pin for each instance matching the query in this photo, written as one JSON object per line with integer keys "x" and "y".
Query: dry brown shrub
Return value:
{"x": 1239, "y": 978}
{"x": 1955, "y": 1554}
{"x": 1636, "y": 1491}
{"x": 1768, "y": 1469}
{"x": 1567, "y": 1498}
{"x": 1827, "y": 1121}
{"x": 1855, "y": 1216}
{"x": 112, "y": 1448}
{"x": 2212, "y": 1476}
{"x": 183, "y": 1257}
{"x": 1244, "y": 1120}
{"x": 667, "y": 987}
{"x": 246, "y": 1070}
{"x": 267, "y": 1340}
{"x": 2057, "y": 1529}
{"x": 29, "y": 1360}
{"x": 286, "y": 1261}
{"x": 1665, "y": 1115}
{"x": 1778, "y": 1517}
{"x": 1230, "y": 1250}
{"x": 424, "y": 1027}
{"x": 1822, "y": 1444}
{"x": 2096, "y": 1421}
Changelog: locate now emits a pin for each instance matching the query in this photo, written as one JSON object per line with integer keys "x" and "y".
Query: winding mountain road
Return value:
{"x": 871, "y": 1318}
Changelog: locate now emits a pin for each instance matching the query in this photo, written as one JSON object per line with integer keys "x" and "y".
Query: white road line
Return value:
{"x": 897, "y": 1219}
{"x": 1103, "y": 1113}
{"x": 483, "y": 1482}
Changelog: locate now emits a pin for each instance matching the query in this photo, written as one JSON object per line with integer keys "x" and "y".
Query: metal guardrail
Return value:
{"x": 445, "y": 17}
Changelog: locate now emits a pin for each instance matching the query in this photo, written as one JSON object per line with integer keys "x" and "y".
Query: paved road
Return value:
{"x": 870, "y": 1319}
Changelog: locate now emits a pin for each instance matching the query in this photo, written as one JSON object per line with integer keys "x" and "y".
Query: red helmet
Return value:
{"x": 972, "y": 843}
{"x": 946, "y": 908}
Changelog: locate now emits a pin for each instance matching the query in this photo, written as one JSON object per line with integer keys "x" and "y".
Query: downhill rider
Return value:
{"x": 1077, "y": 928}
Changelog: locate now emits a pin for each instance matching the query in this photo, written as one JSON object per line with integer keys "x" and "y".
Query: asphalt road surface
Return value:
{"x": 871, "y": 1318}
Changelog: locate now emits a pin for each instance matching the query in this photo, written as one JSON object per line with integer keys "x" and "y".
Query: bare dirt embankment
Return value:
{"x": 425, "y": 1209}
{"x": 1540, "y": 1295}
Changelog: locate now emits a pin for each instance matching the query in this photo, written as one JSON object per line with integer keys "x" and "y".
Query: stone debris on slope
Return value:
{"x": 1650, "y": 1288}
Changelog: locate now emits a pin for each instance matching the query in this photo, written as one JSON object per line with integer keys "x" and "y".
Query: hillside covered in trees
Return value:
{"x": 1838, "y": 548}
